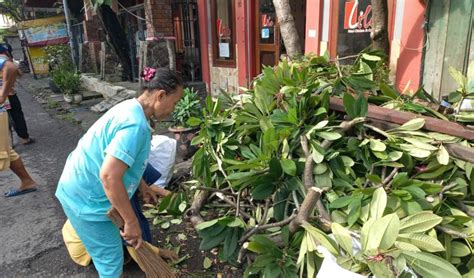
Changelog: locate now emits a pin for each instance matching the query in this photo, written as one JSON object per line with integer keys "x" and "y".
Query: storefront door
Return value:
{"x": 267, "y": 35}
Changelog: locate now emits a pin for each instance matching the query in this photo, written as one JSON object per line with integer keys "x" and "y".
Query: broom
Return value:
{"x": 148, "y": 257}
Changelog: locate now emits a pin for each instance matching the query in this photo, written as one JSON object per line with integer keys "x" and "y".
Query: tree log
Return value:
{"x": 194, "y": 212}
{"x": 379, "y": 34}
{"x": 401, "y": 117}
{"x": 288, "y": 28}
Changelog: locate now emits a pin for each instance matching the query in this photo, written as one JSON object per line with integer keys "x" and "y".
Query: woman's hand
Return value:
{"x": 132, "y": 234}
{"x": 149, "y": 196}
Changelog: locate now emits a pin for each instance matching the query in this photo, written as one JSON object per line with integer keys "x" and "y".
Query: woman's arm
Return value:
{"x": 111, "y": 175}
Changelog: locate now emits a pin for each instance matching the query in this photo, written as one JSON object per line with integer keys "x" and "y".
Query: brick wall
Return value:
{"x": 92, "y": 36}
{"x": 158, "y": 14}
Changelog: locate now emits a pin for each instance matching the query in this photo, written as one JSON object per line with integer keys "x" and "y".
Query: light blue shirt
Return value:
{"x": 6, "y": 105}
{"x": 122, "y": 132}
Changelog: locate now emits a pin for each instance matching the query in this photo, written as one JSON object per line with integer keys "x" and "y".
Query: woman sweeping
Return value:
{"x": 106, "y": 169}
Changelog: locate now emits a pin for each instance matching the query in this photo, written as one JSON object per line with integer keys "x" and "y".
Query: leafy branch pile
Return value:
{"x": 288, "y": 177}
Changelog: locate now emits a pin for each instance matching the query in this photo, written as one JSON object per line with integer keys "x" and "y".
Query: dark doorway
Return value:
{"x": 268, "y": 42}
{"x": 186, "y": 32}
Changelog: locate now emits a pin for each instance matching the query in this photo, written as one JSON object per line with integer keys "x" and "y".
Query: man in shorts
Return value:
{"x": 8, "y": 157}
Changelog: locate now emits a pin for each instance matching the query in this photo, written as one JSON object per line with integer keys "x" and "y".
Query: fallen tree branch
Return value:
{"x": 324, "y": 215}
{"x": 228, "y": 201}
{"x": 465, "y": 209}
{"x": 451, "y": 232}
{"x": 390, "y": 177}
{"x": 258, "y": 228}
{"x": 214, "y": 190}
{"x": 307, "y": 208}
{"x": 461, "y": 152}
{"x": 194, "y": 212}
{"x": 309, "y": 163}
{"x": 237, "y": 211}
{"x": 342, "y": 129}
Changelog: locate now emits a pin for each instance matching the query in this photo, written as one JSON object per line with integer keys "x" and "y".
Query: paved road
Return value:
{"x": 30, "y": 225}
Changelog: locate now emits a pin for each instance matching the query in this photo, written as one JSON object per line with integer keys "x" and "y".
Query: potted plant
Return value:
{"x": 58, "y": 57}
{"x": 69, "y": 83}
{"x": 188, "y": 107}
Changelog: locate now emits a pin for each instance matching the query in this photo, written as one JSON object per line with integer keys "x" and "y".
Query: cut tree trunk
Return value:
{"x": 379, "y": 32}
{"x": 287, "y": 28}
{"x": 401, "y": 117}
{"x": 117, "y": 38}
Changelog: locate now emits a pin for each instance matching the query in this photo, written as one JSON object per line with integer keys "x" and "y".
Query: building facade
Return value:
{"x": 237, "y": 49}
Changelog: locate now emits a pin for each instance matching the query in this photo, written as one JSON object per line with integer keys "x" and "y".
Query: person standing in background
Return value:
{"x": 8, "y": 157}
{"x": 16, "y": 111}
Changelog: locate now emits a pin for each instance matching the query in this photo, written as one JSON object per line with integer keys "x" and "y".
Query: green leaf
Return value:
{"x": 419, "y": 223}
{"x": 329, "y": 135}
{"x": 321, "y": 124}
{"x": 349, "y": 105}
{"x": 354, "y": 210}
{"x": 341, "y": 202}
{"x": 388, "y": 91}
{"x": 459, "y": 249}
{"x": 404, "y": 246}
{"x": 207, "y": 263}
{"x": 422, "y": 241}
{"x": 369, "y": 57}
{"x": 362, "y": 106}
{"x": 365, "y": 233}
{"x": 316, "y": 155}
{"x": 378, "y": 203}
{"x": 454, "y": 97}
{"x": 263, "y": 191}
{"x": 383, "y": 233}
{"x": 419, "y": 144}
{"x": 430, "y": 266}
{"x": 412, "y": 125}
{"x": 230, "y": 243}
{"x": 182, "y": 206}
{"x": 165, "y": 225}
{"x": 320, "y": 169}
{"x": 288, "y": 166}
{"x": 377, "y": 145}
{"x": 458, "y": 77}
{"x": 321, "y": 238}
{"x": 343, "y": 237}
{"x": 193, "y": 121}
{"x": 213, "y": 239}
{"x": 207, "y": 224}
{"x": 443, "y": 155}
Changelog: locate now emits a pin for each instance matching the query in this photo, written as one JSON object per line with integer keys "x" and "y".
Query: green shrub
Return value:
{"x": 189, "y": 106}
{"x": 69, "y": 82}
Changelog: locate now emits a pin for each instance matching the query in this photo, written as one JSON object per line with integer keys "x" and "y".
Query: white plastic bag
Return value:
{"x": 330, "y": 268}
{"x": 162, "y": 157}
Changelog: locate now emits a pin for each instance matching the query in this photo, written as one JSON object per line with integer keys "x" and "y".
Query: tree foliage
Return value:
{"x": 296, "y": 175}
{"x": 12, "y": 9}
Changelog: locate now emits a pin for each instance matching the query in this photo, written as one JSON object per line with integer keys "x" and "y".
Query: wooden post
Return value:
{"x": 171, "y": 54}
{"x": 102, "y": 60}
{"x": 141, "y": 62}
{"x": 80, "y": 57}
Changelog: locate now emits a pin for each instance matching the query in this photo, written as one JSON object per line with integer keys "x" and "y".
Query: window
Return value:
{"x": 223, "y": 33}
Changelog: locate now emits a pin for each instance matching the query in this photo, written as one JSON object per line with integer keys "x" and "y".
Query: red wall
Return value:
{"x": 314, "y": 17}
{"x": 203, "y": 36}
{"x": 408, "y": 68}
{"x": 411, "y": 49}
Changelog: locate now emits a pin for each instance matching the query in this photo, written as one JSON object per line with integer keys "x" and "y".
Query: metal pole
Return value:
{"x": 69, "y": 30}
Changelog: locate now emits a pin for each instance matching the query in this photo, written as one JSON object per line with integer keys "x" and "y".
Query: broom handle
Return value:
{"x": 116, "y": 218}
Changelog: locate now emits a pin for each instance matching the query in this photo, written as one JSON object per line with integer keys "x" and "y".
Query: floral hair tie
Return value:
{"x": 148, "y": 74}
